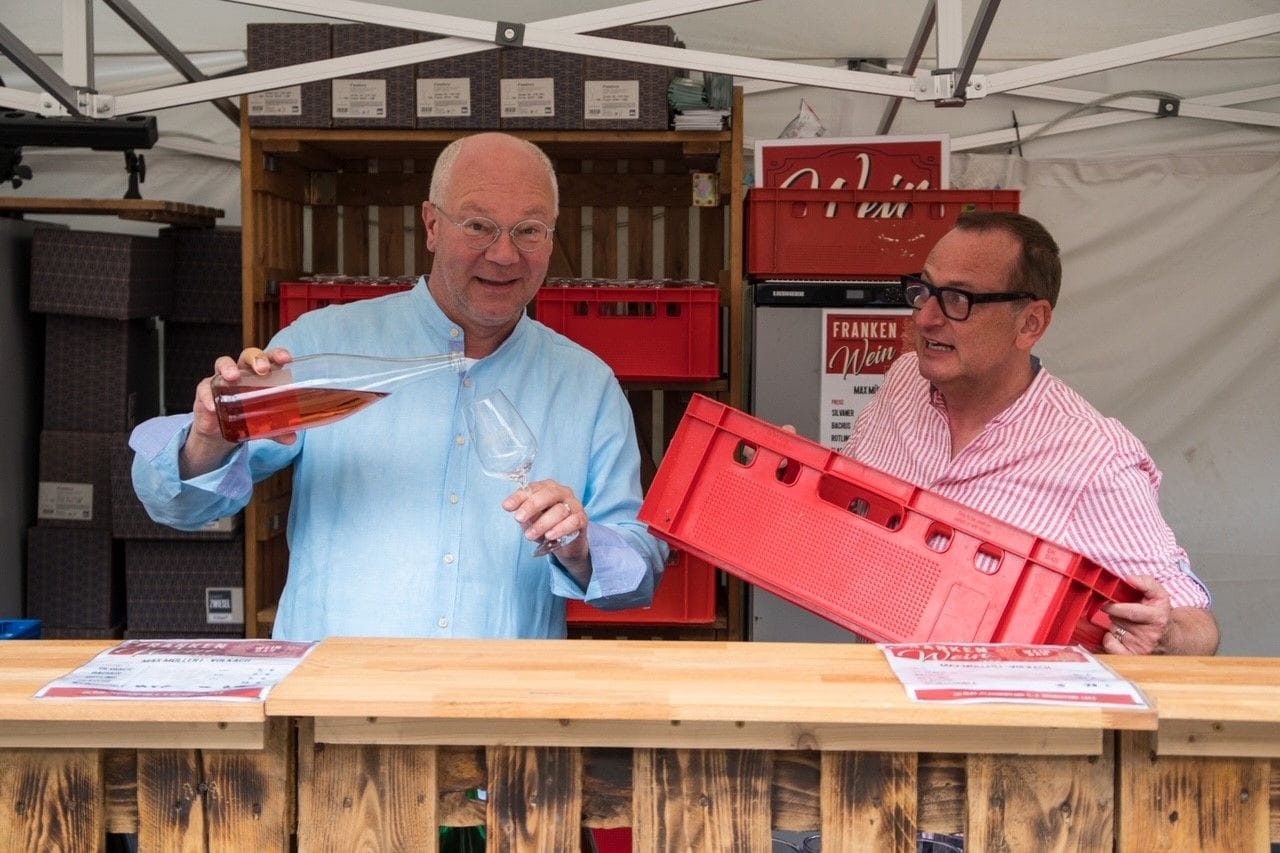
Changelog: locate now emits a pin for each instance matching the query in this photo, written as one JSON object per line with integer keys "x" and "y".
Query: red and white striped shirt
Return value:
{"x": 1050, "y": 464}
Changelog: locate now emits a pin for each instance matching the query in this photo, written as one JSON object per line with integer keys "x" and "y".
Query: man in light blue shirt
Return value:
{"x": 394, "y": 530}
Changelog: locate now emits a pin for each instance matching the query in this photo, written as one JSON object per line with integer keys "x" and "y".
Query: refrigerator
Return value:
{"x": 811, "y": 342}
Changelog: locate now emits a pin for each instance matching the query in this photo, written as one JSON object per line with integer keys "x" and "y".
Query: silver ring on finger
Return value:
{"x": 1120, "y": 633}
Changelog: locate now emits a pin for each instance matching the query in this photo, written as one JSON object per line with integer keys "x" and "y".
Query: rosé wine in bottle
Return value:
{"x": 314, "y": 390}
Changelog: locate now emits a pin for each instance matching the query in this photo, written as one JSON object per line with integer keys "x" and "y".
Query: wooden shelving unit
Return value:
{"x": 348, "y": 201}
{"x": 140, "y": 209}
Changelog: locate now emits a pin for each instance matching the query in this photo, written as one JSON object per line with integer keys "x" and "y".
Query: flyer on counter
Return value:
{"x": 212, "y": 670}
{"x": 1008, "y": 672}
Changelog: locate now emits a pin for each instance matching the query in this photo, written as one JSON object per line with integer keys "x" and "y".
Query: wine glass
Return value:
{"x": 506, "y": 448}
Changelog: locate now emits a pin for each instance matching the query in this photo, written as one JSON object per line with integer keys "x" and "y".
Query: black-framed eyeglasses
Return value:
{"x": 956, "y": 303}
{"x": 479, "y": 232}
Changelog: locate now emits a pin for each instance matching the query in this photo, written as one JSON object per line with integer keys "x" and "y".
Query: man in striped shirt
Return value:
{"x": 973, "y": 416}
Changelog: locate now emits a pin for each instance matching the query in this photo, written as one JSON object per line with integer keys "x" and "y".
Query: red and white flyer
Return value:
{"x": 1008, "y": 672}
{"x": 211, "y": 670}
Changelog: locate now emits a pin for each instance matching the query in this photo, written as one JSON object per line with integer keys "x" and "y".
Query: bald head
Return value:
{"x": 499, "y": 149}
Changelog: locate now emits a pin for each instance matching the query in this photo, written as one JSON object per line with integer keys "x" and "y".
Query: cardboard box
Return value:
{"x": 459, "y": 91}
{"x": 377, "y": 98}
{"x": 100, "y": 375}
{"x": 193, "y": 587}
{"x": 75, "y": 578}
{"x": 206, "y": 275}
{"x": 621, "y": 95}
{"x": 540, "y": 89}
{"x": 190, "y": 349}
{"x": 129, "y": 519}
{"x": 277, "y": 45}
{"x": 75, "y": 479}
{"x": 97, "y": 274}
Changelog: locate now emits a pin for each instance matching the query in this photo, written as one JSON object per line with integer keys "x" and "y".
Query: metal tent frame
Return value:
{"x": 950, "y": 83}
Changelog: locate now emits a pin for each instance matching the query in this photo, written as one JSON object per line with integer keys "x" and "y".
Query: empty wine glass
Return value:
{"x": 506, "y": 448}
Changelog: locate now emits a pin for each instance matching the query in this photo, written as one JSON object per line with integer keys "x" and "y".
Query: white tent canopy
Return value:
{"x": 1170, "y": 313}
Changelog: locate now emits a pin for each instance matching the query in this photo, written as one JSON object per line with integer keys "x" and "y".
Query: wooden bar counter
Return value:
{"x": 697, "y": 746}
{"x": 211, "y": 776}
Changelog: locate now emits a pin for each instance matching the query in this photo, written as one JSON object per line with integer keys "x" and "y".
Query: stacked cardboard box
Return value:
{"x": 106, "y": 298}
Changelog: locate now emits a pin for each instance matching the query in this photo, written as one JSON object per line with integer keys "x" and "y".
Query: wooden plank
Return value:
{"x": 365, "y": 797}
{"x": 1018, "y": 802}
{"x": 143, "y": 209}
{"x": 675, "y": 249}
{"x": 1275, "y": 801}
{"x": 1176, "y": 803}
{"x": 795, "y": 791}
{"x": 391, "y": 223}
{"x": 869, "y": 801}
{"x": 711, "y": 260}
{"x": 604, "y": 226}
{"x": 51, "y": 800}
{"x": 324, "y": 239}
{"x": 535, "y": 799}
{"x": 566, "y": 256}
{"x": 120, "y": 776}
{"x": 942, "y": 792}
{"x": 248, "y": 798}
{"x": 170, "y": 800}
{"x": 640, "y": 225}
{"x": 355, "y": 224}
{"x": 705, "y": 800}
{"x": 422, "y": 180}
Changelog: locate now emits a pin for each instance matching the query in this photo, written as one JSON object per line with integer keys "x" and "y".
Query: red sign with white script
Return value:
{"x": 870, "y": 163}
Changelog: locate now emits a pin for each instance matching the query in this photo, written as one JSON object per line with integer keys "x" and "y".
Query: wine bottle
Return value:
{"x": 315, "y": 390}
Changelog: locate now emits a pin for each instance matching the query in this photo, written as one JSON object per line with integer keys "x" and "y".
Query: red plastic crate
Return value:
{"x": 842, "y": 233}
{"x": 644, "y": 333}
{"x": 853, "y": 544}
{"x": 299, "y": 297}
{"x": 686, "y": 596}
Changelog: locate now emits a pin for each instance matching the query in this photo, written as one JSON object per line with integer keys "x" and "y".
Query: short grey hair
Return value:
{"x": 442, "y": 174}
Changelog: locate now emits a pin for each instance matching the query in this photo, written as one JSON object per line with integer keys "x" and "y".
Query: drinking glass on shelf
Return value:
{"x": 506, "y": 448}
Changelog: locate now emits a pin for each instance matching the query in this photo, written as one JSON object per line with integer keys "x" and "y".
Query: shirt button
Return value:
{"x": 467, "y": 383}
{"x": 443, "y": 623}
{"x": 460, "y": 439}
{"x": 453, "y": 333}
{"x": 453, "y": 499}
{"x": 448, "y": 558}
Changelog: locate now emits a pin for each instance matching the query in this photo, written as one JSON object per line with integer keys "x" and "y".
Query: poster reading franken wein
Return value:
{"x": 858, "y": 348}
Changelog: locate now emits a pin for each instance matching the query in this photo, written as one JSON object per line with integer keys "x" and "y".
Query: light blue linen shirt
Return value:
{"x": 394, "y": 529}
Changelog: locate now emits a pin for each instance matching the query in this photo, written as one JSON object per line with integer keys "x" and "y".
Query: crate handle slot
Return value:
{"x": 939, "y": 537}
{"x": 744, "y": 452}
{"x": 628, "y": 309}
{"x": 858, "y": 500}
{"x": 987, "y": 558}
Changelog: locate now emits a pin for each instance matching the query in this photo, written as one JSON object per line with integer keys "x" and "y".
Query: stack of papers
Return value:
{"x": 700, "y": 104}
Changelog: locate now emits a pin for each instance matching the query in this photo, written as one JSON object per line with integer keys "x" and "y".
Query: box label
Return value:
{"x": 65, "y": 501}
{"x": 359, "y": 98}
{"x": 277, "y": 102}
{"x": 527, "y": 97}
{"x": 227, "y": 524}
{"x": 611, "y": 99}
{"x": 444, "y": 97}
{"x": 224, "y": 605}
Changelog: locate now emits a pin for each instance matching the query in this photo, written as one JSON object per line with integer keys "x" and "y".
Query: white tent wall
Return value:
{"x": 1170, "y": 313}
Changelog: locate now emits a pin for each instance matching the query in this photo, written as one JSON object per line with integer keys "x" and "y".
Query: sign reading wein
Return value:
{"x": 857, "y": 163}
{"x": 858, "y": 349}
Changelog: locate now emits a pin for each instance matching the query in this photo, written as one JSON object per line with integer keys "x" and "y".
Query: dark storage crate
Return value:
{"x": 97, "y": 274}
{"x": 381, "y": 98}
{"x": 458, "y": 91}
{"x": 649, "y": 82}
{"x": 206, "y": 275}
{"x": 277, "y": 45}
{"x": 100, "y": 375}
{"x": 190, "y": 350}
{"x": 168, "y": 582}
{"x": 75, "y": 479}
{"x": 75, "y": 578}
{"x": 115, "y": 632}
{"x": 523, "y": 100}
{"x": 129, "y": 519}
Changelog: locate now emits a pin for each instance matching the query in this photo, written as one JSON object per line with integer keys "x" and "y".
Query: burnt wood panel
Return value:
{"x": 51, "y": 800}
{"x": 535, "y": 799}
